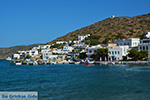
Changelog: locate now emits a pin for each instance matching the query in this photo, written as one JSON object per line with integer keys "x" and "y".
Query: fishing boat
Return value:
{"x": 88, "y": 62}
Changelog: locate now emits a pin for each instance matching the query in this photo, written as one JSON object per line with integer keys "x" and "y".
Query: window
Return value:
{"x": 118, "y": 52}
{"x": 146, "y": 47}
{"x": 143, "y": 47}
{"x": 90, "y": 51}
{"x": 120, "y": 43}
{"x": 135, "y": 43}
{"x": 115, "y": 52}
{"x": 112, "y": 53}
{"x": 124, "y": 43}
{"x": 140, "y": 48}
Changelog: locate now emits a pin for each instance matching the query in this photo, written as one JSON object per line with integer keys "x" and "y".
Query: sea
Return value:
{"x": 78, "y": 82}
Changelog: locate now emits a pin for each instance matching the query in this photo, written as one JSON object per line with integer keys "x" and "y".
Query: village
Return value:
{"x": 79, "y": 52}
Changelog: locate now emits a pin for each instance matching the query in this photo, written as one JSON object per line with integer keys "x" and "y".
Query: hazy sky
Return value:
{"x": 24, "y": 22}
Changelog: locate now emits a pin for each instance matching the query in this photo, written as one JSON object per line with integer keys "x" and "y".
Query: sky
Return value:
{"x": 25, "y": 22}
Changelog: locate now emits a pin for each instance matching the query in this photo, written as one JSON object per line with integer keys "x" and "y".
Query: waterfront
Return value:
{"x": 78, "y": 82}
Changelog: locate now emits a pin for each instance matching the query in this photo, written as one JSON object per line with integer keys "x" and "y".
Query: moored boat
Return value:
{"x": 88, "y": 62}
{"x": 18, "y": 63}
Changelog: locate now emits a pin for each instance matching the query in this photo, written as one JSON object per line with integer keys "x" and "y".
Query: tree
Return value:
{"x": 103, "y": 53}
{"x": 138, "y": 55}
{"x": 82, "y": 55}
{"x": 142, "y": 54}
{"x": 133, "y": 54}
{"x": 28, "y": 56}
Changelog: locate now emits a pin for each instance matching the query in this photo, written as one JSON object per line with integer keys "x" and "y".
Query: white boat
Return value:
{"x": 113, "y": 63}
{"x": 9, "y": 59}
{"x": 18, "y": 63}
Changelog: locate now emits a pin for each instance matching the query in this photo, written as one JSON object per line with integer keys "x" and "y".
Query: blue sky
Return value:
{"x": 24, "y": 22}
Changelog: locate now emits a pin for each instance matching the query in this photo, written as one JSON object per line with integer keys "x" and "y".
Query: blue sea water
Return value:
{"x": 78, "y": 82}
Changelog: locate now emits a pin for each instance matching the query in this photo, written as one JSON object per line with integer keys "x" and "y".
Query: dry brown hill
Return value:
{"x": 111, "y": 29}
{"x": 108, "y": 29}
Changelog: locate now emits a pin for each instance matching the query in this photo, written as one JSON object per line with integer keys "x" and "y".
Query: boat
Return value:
{"x": 77, "y": 63}
{"x": 53, "y": 63}
{"x": 24, "y": 62}
{"x": 9, "y": 59}
{"x": 113, "y": 63}
{"x": 88, "y": 62}
{"x": 18, "y": 63}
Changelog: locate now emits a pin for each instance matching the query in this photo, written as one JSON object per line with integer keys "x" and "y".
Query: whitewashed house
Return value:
{"x": 145, "y": 45}
{"x": 82, "y": 38}
{"x": 32, "y": 52}
{"x": 80, "y": 45}
{"x": 117, "y": 52}
{"x": 61, "y": 42}
{"x": 67, "y": 49}
{"x": 147, "y": 35}
{"x": 91, "y": 50}
{"x": 15, "y": 56}
{"x": 57, "y": 51}
{"x": 131, "y": 42}
{"x": 46, "y": 53}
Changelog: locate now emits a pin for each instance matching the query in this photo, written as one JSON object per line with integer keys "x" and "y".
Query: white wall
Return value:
{"x": 131, "y": 42}
{"x": 117, "y": 53}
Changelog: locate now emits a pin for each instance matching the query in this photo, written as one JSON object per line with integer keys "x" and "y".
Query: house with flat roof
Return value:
{"x": 131, "y": 42}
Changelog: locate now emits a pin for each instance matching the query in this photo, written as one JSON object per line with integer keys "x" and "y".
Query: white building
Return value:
{"x": 147, "y": 35}
{"x": 80, "y": 45}
{"x": 117, "y": 52}
{"x": 60, "y": 42}
{"x": 82, "y": 38}
{"x": 32, "y": 52}
{"x": 145, "y": 45}
{"x": 15, "y": 56}
{"x": 57, "y": 51}
{"x": 67, "y": 49}
{"x": 131, "y": 42}
{"x": 92, "y": 50}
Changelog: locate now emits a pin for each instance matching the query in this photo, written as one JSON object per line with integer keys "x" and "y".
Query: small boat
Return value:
{"x": 9, "y": 59}
{"x": 71, "y": 62}
{"x": 77, "y": 63}
{"x": 53, "y": 63}
{"x": 87, "y": 62}
{"x": 24, "y": 62}
{"x": 18, "y": 63}
{"x": 113, "y": 63}
{"x": 148, "y": 63}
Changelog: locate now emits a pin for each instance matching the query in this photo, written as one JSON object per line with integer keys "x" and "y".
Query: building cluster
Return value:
{"x": 44, "y": 54}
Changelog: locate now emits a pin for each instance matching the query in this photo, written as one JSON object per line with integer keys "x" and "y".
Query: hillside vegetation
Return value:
{"x": 111, "y": 29}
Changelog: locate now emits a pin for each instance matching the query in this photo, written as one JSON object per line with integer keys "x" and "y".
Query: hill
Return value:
{"x": 112, "y": 28}
{"x": 6, "y": 52}
{"x": 102, "y": 31}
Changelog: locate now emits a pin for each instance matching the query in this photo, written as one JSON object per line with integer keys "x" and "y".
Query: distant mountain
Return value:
{"x": 6, "y": 52}
{"x": 112, "y": 28}
{"x": 108, "y": 29}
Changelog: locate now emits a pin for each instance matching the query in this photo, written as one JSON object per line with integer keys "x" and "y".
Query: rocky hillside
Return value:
{"x": 108, "y": 29}
{"x": 6, "y": 52}
{"x": 113, "y": 28}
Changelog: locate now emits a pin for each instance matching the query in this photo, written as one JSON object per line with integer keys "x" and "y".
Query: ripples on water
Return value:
{"x": 78, "y": 82}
